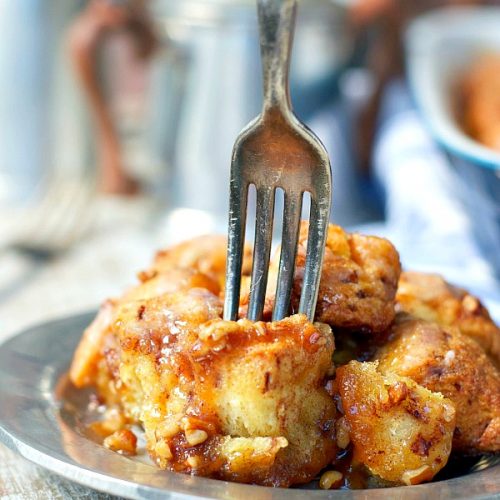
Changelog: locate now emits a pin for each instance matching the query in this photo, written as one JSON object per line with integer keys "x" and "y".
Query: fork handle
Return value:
{"x": 276, "y": 26}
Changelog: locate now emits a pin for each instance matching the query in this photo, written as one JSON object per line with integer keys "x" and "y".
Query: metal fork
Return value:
{"x": 275, "y": 151}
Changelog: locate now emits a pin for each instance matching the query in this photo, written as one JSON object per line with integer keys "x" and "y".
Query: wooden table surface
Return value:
{"x": 20, "y": 479}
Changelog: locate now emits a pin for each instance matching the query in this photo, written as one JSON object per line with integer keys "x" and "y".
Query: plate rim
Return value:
{"x": 108, "y": 483}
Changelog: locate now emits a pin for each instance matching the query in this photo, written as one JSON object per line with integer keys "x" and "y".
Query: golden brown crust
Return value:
{"x": 430, "y": 297}
{"x": 85, "y": 364}
{"x": 443, "y": 360}
{"x": 399, "y": 430}
{"x": 95, "y": 356}
{"x": 358, "y": 281}
{"x": 206, "y": 254}
{"x": 197, "y": 263}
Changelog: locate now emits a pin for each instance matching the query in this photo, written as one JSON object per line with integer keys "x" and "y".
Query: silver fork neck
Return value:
{"x": 276, "y": 26}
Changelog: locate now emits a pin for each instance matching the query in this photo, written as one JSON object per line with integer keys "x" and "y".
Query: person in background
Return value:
{"x": 385, "y": 57}
{"x": 99, "y": 20}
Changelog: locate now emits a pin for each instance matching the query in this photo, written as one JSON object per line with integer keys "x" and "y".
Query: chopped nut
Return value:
{"x": 470, "y": 304}
{"x": 342, "y": 433}
{"x": 416, "y": 476}
{"x": 245, "y": 323}
{"x": 162, "y": 449}
{"x": 323, "y": 328}
{"x": 217, "y": 330}
{"x": 449, "y": 357}
{"x": 193, "y": 462}
{"x": 397, "y": 392}
{"x": 449, "y": 412}
{"x": 122, "y": 441}
{"x": 186, "y": 423}
{"x": 167, "y": 429}
{"x": 196, "y": 436}
{"x": 113, "y": 421}
{"x": 260, "y": 328}
{"x": 220, "y": 346}
{"x": 280, "y": 442}
{"x": 331, "y": 479}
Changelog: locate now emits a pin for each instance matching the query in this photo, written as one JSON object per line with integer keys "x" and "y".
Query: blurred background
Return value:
{"x": 117, "y": 120}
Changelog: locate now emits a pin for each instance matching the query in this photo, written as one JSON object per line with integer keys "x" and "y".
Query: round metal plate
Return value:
{"x": 40, "y": 417}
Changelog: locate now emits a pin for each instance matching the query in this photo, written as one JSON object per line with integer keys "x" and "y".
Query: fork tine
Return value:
{"x": 291, "y": 225}
{"x": 314, "y": 260}
{"x": 262, "y": 251}
{"x": 236, "y": 239}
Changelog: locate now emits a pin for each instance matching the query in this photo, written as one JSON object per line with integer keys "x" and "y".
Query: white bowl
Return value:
{"x": 440, "y": 47}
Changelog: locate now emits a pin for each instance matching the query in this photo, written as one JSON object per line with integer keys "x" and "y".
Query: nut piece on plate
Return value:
{"x": 430, "y": 297}
{"x": 122, "y": 441}
{"x": 358, "y": 281}
{"x": 113, "y": 420}
{"x": 401, "y": 431}
{"x": 239, "y": 401}
{"x": 446, "y": 361}
{"x": 330, "y": 480}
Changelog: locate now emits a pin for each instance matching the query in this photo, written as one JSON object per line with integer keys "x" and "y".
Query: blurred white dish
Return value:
{"x": 441, "y": 46}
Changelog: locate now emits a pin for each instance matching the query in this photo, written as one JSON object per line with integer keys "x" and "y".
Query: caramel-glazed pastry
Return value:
{"x": 444, "y": 360}
{"x": 206, "y": 254}
{"x": 240, "y": 401}
{"x": 98, "y": 344}
{"x": 401, "y": 431}
{"x": 234, "y": 400}
{"x": 358, "y": 281}
{"x": 197, "y": 263}
{"x": 259, "y": 402}
{"x": 430, "y": 297}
